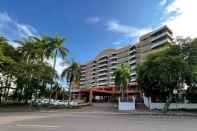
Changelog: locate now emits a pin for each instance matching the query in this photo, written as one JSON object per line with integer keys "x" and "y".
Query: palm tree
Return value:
{"x": 43, "y": 47}
{"x": 57, "y": 46}
{"x": 27, "y": 49}
{"x": 54, "y": 48}
{"x": 72, "y": 74}
{"x": 122, "y": 77}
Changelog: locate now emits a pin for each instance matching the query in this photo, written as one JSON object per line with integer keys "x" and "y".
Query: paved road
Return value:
{"x": 94, "y": 119}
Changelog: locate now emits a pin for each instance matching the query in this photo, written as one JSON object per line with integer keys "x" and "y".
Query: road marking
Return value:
{"x": 39, "y": 126}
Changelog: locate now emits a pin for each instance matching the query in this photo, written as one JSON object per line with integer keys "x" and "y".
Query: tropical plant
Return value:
{"x": 54, "y": 48}
{"x": 189, "y": 51}
{"x": 163, "y": 72}
{"x": 72, "y": 75}
{"x": 122, "y": 77}
{"x": 26, "y": 67}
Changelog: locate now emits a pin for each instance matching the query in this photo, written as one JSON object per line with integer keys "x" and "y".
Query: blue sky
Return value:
{"x": 93, "y": 25}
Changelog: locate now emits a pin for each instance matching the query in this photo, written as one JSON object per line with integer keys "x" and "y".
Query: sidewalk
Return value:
{"x": 107, "y": 108}
{"x": 157, "y": 113}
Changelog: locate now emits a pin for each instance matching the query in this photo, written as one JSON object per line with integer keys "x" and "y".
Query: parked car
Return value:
{"x": 53, "y": 103}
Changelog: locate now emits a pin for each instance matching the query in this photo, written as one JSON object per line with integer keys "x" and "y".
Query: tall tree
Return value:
{"x": 55, "y": 47}
{"x": 189, "y": 51}
{"x": 8, "y": 58}
{"x": 163, "y": 72}
{"x": 122, "y": 77}
{"x": 27, "y": 49}
{"x": 72, "y": 75}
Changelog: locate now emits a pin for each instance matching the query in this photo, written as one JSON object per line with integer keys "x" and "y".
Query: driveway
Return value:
{"x": 101, "y": 107}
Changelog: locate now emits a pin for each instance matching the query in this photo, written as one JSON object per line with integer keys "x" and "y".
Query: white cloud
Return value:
{"x": 163, "y": 2}
{"x": 26, "y": 30}
{"x": 60, "y": 65}
{"x": 126, "y": 30}
{"x": 12, "y": 29}
{"x": 93, "y": 20}
{"x": 13, "y": 43}
{"x": 181, "y": 17}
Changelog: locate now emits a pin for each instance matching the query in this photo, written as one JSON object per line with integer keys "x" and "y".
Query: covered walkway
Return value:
{"x": 103, "y": 94}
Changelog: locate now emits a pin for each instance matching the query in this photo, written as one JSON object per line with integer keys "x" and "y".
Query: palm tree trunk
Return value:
{"x": 63, "y": 94}
{"x": 54, "y": 64}
{"x": 70, "y": 94}
{"x": 56, "y": 93}
{"x": 127, "y": 94}
{"x": 122, "y": 92}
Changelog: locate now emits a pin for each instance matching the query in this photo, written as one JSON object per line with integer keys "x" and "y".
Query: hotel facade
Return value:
{"x": 97, "y": 73}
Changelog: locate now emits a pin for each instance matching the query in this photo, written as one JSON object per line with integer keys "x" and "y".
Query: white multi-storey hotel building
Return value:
{"x": 98, "y": 72}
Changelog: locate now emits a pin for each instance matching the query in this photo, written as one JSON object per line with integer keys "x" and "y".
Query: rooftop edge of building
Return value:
{"x": 154, "y": 31}
{"x": 109, "y": 51}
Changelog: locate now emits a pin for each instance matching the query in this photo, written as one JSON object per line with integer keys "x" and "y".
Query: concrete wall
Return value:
{"x": 126, "y": 106}
{"x": 154, "y": 105}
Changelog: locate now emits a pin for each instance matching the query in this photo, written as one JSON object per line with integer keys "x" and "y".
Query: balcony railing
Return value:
{"x": 113, "y": 58}
{"x": 102, "y": 65}
{"x": 133, "y": 56}
{"x": 132, "y": 51}
{"x": 160, "y": 43}
{"x": 161, "y": 35}
{"x": 103, "y": 78}
{"x": 102, "y": 74}
{"x": 113, "y": 63}
{"x": 102, "y": 84}
{"x": 133, "y": 67}
{"x": 132, "y": 62}
{"x": 133, "y": 73}
{"x": 102, "y": 69}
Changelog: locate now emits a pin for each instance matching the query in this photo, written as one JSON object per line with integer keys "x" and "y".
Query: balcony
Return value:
{"x": 102, "y": 84}
{"x": 133, "y": 51}
{"x": 82, "y": 82}
{"x": 102, "y": 79}
{"x": 93, "y": 72}
{"x": 134, "y": 73}
{"x": 83, "y": 70}
{"x": 113, "y": 62}
{"x": 133, "y": 79}
{"x": 102, "y": 65}
{"x": 161, "y": 35}
{"x": 132, "y": 57}
{"x": 83, "y": 78}
{"x": 132, "y": 62}
{"x": 102, "y": 60}
{"x": 93, "y": 84}
{"x": 133, "y": 67}
{"x": 113, "y": 58}
{"x": 102, "y": 74}
{"x": 83, "y": 67}
{"x": 93, "y": 67}
{"x": 157, "y": 44}
{"x": 102, "y": 69}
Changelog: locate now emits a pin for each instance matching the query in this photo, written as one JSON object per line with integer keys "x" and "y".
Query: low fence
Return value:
{"x": 126, "y": 105}
{"x": 153, "y": 105}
